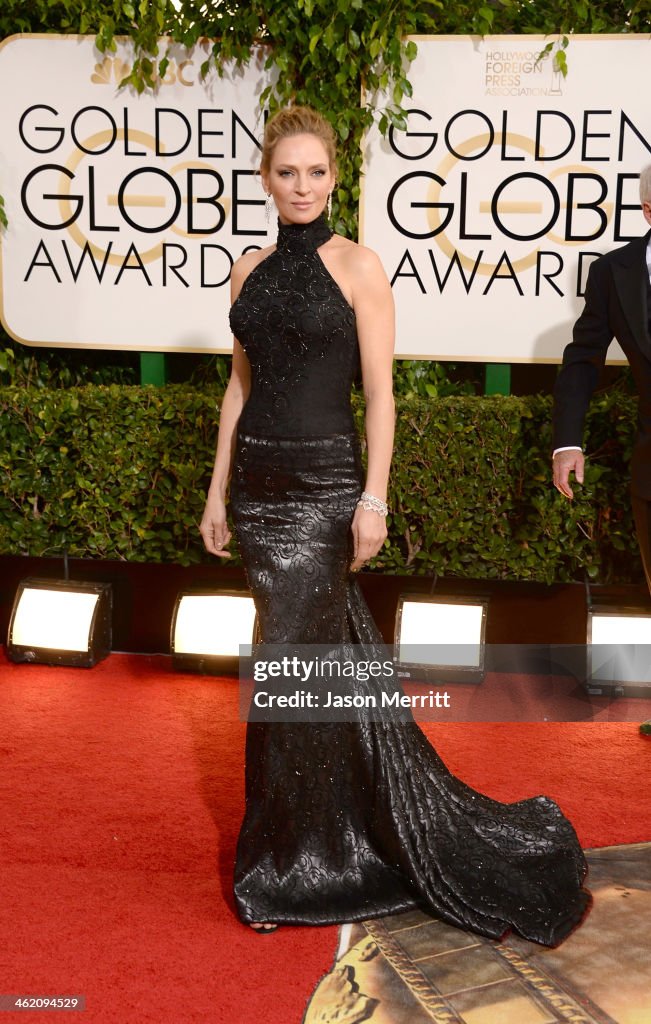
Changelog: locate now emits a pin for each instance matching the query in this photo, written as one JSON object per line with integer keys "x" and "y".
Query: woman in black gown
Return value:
{"x": 354, "y": 820}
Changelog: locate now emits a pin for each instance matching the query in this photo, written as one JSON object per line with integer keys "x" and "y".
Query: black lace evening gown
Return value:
{"x": 347, "y": 821}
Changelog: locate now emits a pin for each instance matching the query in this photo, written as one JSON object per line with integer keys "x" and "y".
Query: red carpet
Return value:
{"x": 121, "y": 795}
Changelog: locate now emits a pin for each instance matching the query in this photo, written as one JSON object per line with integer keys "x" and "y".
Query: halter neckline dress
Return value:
{"x": 353, "y": 820}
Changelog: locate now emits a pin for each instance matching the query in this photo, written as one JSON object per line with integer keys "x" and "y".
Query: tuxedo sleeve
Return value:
{"x": 583, "y": 360}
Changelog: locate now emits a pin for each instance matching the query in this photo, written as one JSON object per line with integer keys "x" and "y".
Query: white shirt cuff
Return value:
{"x": 568, "y": 448}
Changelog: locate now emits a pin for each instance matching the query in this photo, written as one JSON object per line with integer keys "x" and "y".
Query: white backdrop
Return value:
{"x": 137, "y": 266}
{"x": 488, "y": 214}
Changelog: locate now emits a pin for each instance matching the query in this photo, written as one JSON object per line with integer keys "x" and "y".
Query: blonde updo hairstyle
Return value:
{"x": 297, "y": 121}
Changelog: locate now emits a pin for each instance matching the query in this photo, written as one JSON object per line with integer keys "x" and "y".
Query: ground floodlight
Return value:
{"x": 440, "y": 639}
{"x": 60, "y": 622}
{"x": 619, "y": 651}
{"x": 209, "y": 628}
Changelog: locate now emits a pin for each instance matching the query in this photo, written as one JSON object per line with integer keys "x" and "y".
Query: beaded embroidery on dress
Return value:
{"x": 300, "y": 338}
{"x": 355, "y": 820}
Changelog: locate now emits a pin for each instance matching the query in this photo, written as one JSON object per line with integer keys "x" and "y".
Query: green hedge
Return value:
{"x": 120, "y": 472}
{"x": 473, "y": 495}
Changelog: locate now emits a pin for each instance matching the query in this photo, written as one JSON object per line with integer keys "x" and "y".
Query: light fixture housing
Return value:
{"x": 618, "y": 651}
{"x": 208, "y": 629}
{"x": 60, "y": 622}
{"x": 440, "y": 638}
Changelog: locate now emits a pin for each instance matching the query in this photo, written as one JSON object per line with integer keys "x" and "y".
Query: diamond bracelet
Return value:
{"x": 372, "y": 504}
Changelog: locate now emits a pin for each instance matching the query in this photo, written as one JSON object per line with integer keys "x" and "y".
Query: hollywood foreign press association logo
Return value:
{"x": 510, "y": 72}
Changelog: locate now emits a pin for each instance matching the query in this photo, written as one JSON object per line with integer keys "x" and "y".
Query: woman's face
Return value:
{"x": 299, "y": 178}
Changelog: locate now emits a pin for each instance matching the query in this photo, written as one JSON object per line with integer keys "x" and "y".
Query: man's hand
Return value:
{"x": 564, "y": 464}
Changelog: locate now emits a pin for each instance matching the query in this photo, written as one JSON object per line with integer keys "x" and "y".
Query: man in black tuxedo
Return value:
{"x": 617, "y": 304}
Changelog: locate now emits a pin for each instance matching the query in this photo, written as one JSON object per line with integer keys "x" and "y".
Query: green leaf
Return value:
{"x": 560, "y": 62}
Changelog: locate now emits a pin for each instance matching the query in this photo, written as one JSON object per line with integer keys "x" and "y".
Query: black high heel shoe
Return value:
{"x": 264, "y": 929}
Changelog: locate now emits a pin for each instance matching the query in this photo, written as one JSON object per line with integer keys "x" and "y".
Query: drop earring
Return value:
{"x": 268, "y": 203}
{"x": 329, "y": 205}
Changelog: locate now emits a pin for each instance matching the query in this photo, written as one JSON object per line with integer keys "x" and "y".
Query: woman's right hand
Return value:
{"x": 214, "y": 528}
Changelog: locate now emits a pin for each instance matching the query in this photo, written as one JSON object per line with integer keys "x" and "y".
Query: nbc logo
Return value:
{"x": 115, "y": 70}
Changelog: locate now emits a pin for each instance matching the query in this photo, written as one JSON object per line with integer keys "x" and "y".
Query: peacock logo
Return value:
{"x": 112, "y": 69}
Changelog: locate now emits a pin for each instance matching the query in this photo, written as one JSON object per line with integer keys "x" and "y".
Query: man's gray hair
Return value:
{"x": 645, "y": 184}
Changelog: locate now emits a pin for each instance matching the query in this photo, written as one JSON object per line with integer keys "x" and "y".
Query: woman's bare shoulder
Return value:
{"x": 243, "y": 266}
{"x": 359, "y": 259}
{"x": 248, "y": 262}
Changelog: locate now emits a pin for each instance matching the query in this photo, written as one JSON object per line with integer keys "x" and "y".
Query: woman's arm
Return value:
{"x": 374, "y": 309}
{"x": 213, "y": 528}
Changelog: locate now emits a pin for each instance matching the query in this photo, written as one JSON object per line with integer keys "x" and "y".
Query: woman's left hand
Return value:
{"x": 369, "y": 534}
